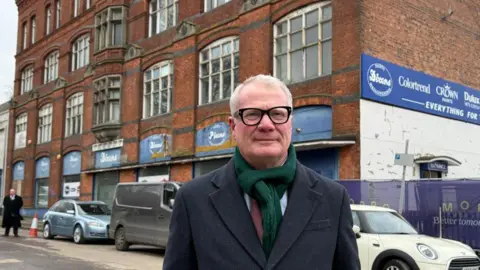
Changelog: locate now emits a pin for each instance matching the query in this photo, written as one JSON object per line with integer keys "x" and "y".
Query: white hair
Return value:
{"x": 267, "y": 80}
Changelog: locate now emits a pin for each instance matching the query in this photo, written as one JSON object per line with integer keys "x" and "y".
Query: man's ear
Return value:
{"x": 231, "y": 122}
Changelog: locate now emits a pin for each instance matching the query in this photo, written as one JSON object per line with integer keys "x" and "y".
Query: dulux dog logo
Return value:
{"x": 19, "y": 168}
{"x": 218, "y": 134}
{"x": 379, "y": 80}
{"x": 155, "y": 145}
{"x": 44, "y": 165}
{"x": 74, "y": 159}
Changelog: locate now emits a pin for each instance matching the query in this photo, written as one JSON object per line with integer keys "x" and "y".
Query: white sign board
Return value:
{"x": 153, "y": 179}
{"x": 403, "y": 160}
{"x": 71, "y": 190}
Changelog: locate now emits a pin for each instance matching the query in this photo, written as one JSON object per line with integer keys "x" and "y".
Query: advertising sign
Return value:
{"x": 71, "y": 190}
{"x": 72, "y": 163}
{"x": 214, "y": 139}
{"x": 391, "y": 84}
{"x": 42, "y": 168}
{"x": 18, "y": 170}
{"x": 107, "y": 158}
{"x": 155, "y": 148}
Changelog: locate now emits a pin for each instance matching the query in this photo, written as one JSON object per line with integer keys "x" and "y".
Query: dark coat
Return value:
{"x": 11, "y": 211}
{"x": 211, "y": 227}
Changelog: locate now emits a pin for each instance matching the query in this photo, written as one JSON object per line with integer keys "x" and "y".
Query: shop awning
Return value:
{"x": 432, "y": 158}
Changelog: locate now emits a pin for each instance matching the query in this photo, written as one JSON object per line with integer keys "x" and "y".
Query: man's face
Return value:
{"x": 12, "y": 192}
{"x": 267, "y": 140}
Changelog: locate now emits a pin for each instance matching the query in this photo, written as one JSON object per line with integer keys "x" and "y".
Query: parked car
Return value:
{"x": 141, "y": 213}
{"x": 81, "y": 220}
{"x": 386, "y": 240}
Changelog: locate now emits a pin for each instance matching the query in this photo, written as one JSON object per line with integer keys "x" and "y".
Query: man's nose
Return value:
{"x": 266, "y": 123}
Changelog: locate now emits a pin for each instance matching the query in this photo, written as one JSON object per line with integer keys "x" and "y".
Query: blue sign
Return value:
{"x": 154, "y": 148}
{"x": 438, "y": 166}
{"x": 72, "y": 163}
{"x": 108, "y": 158}
{"x": 19, "y": 170}
{"x": 395, "y": 85}
{"x": 214, "y": 140}
{"x": 42, "y": 168}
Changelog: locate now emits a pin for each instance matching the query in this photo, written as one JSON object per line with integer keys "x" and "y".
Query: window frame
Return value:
{"x": 105, "y": 26}
{"x": 105, "y": 100}
{"x": 48, "y": 20}
{"x": 58, "y": 13}
{"x": 320, "y": 7}
{"x": 25, "y": 35}
{"x": 33, "y": 29}
{"x": 21, "y": 124}
{"x": 76, "y": 8}
{"x": 157, "y": 15}
{"x": 26, "y": 83}
{"x": 214, "y": 4}
{"x": 234, "y": 69}
{"x": 169, "y": 89}
{"x": 45, "y": 119}
{"x": 74, "y": 101}
{"x": 75, "y": 63}
{"x": 50, "y": 72}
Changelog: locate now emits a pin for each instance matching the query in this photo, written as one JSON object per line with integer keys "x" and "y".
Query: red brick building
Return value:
{"x": 110, "y": 91}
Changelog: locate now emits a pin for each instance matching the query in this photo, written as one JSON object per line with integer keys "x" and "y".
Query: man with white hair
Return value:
{"x": 11, "y": 212}
{"x": 262, "y": 210}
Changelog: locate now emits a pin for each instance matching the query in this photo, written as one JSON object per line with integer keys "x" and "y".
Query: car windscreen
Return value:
{"x": 383, "y": 222}
{"x": 94, "y": 209}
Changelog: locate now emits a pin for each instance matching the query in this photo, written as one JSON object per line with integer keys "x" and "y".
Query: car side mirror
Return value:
{"x": 356, "y": 230}
{"x": 171, "y": 202}
{"x": 71, "y": 212}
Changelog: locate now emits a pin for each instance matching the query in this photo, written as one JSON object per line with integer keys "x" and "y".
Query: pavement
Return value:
{"x": 61, "y": 253}
{"x": 27, "y": 223}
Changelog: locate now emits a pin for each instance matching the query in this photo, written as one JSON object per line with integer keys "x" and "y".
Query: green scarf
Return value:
{"x": 267, "y": 187}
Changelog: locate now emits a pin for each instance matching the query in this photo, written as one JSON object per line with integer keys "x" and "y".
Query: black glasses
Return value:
{"x": 253, "y": 116}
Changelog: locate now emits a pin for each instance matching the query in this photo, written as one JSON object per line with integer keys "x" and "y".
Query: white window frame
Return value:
{"x": 88, "y": 4}
{"x": 161, "y": 16}
{"x": 104, "y": 100}
{"x": 51, "y": 67}
{"x": 234, "y": 43}
{"x": 81, "y": 52}
{"x": 34, "y": 28}
{"x": 321, "y": 21}
{"x": 45, "y": 123}
{"x": 48, "y": 20}
{"x": 105, "y": 22}
{"x": 74, "y": 115}
{"x": 26, "y": 84}
{"x": 25, "y": 35}
{"x": 157, "y": 73}
{"x": 76, "y": 6}
{"x": 58, "y": 11}
{"x": 213, "y": 4}
{"x": 21, "y": 126}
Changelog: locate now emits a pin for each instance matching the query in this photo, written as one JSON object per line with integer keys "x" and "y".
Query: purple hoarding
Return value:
{"x": 457, "y": 202}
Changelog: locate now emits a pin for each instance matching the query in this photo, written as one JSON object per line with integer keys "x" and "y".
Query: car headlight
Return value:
{"x": 94, "y": 224}
{"x": 427, "y": 251}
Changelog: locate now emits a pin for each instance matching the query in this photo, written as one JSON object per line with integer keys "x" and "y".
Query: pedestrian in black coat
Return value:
{"x": 11, "y": 213}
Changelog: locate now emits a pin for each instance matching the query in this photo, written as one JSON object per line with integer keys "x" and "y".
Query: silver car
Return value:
{"x": 81, "y": 220}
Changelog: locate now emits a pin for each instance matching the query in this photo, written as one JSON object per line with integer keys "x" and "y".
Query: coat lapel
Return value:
{"x": 302, "y": 202}
{"x": 230, "y": 204}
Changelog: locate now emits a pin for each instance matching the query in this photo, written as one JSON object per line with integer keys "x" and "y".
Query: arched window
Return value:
{"x": 74, "y": 115}
{"x": 48, "y": 20}
{"x": 27, "y": 80}
{"x": 157, "y": 89}
{"x": 51, "y": 67}
{"x": 163, "y": 15}
{"x": 21, "y": 131}
{"x": 45, "y": 124}
{"x": 81, "y": 52}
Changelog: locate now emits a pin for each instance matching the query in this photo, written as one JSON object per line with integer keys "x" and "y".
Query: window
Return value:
{"x": 88, "y": 4}
{"x": 25, "y": 35}
{"x": 163, "y": 15}
{"x": 106, "y": 100}
{"x": 110, "y": 28}
{"x": 76, "y": 5}
{"x": 157, "y": 89}
{"x": 58, "y": 16}
{"x": 74, "y": 115}
{"x": 211, "y": 4}
{"x": 169, "y": 193}
{"x": 21, "y": 131}
{"x": 41, "y": 194}
{"x": 81, "y": 52}
{"x": 219, "y": 70}
{"x": 51, "y": 67}
{"x": 27, "y": 80}
{"x": 303, "y": 44}
{"x": 48, "y": 20}
{"x": 34, "y": 29}
{"x": 45, "y": 124}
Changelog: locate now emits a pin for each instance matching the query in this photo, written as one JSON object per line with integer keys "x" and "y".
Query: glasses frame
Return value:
{"x": 263, "y": 112}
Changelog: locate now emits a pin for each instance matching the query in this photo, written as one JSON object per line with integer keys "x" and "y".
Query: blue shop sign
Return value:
{"x": 437, "y": 166}
{"x": 107, "y": 158}
{"x": 42, "y": 168}
{"x": 214, "y": 139}
{"x": 72, "y": 163}
{"x": 155, "y": 148}
{"x": 19, "y": 170}
{"x": 395, "y": 85}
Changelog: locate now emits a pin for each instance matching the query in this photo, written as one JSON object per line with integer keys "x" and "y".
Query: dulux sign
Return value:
{"x": 214, "y": 140}
{"x": 155, "y": 148}
{"x": 19, "y": 170}
{"x": 42, "y": 168}
{"x": 395, "y": 85}
{"x": 107, "y": 158}
{"x": 72, "y": 163}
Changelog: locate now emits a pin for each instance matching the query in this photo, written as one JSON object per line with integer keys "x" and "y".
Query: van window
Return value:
{"x": 169, "y": 192}
{"x": 139, "y": 195}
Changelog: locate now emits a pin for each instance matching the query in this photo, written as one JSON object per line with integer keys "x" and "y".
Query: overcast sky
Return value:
{"x": 8, "y": 26}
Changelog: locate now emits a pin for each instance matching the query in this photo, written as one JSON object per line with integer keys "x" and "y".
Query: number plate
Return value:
{"x": 471, "y": 268}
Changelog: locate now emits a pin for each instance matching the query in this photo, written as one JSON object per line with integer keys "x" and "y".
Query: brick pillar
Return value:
{"x": 127, "y": 176}
{"x": 181, "y": 172}
{"x": 56, "y": 162}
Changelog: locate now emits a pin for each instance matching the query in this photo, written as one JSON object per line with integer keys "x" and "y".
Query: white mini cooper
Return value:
{"x": 387, "y": 241}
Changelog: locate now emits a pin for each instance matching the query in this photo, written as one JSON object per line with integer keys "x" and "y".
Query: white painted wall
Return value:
{"x": 384, "y": 129}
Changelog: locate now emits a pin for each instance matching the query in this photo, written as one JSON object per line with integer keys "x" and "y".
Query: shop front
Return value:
{"x": 18, "y": 176}
{"x": 106, "y": 181}
{"x": 72, "y": 165}
{"x": 42, "y": 175}
{"x": 435, "y": 167}
{"x": 214, "y": 146}
{"x": 154, "y": 150}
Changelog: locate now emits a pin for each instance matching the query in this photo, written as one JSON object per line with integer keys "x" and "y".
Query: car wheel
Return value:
{"x": 78, "y": 235}
{"x": 46, "y": 231}
{"x": 120, "y": 242}
{"x": 396, "y": 264}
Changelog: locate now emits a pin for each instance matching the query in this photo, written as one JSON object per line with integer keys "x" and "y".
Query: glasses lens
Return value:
{"x": 279, "y": 115}
{"x": 251, "y": 116}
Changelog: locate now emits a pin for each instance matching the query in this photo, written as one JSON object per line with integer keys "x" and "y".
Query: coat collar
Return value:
{"x": 230, "y": 204}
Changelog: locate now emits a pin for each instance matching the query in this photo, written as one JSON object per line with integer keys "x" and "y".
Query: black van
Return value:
{"x": 141, "y": 213}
